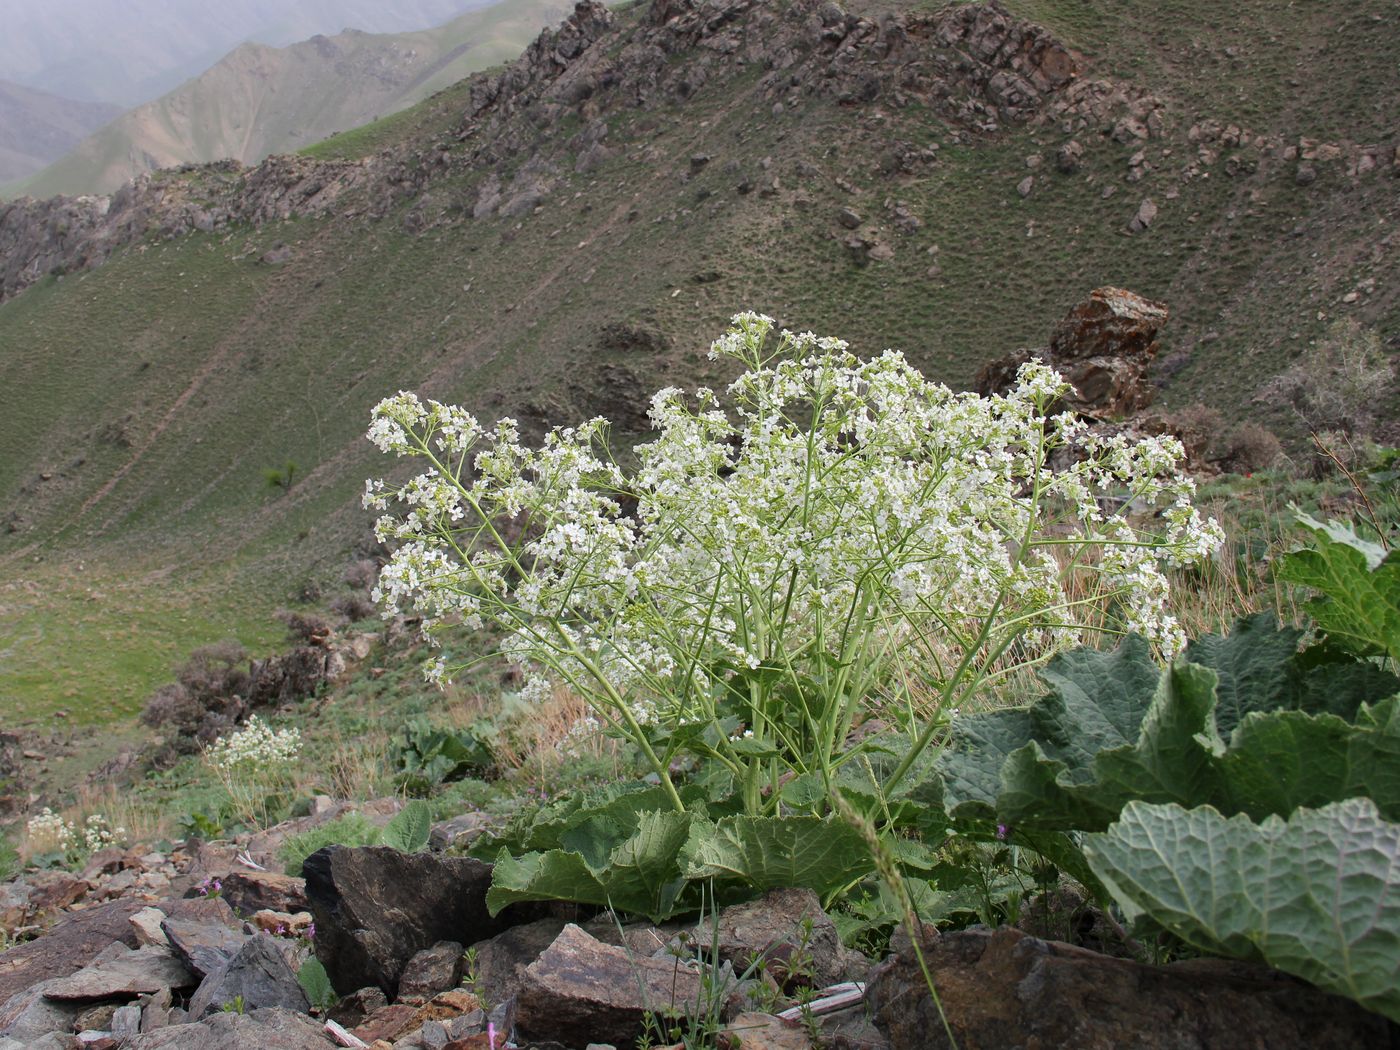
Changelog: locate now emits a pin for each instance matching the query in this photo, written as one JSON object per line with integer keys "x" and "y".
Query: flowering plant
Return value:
{"x": 831, "y": 538}
{"x": 49, "y": 834}
{"x": 252, "y": 763}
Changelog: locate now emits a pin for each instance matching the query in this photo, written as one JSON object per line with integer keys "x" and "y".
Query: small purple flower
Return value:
{"x": 1002, "y": 832}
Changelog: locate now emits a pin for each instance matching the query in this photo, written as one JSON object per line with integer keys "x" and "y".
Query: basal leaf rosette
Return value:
{"x": 825, "y": 536}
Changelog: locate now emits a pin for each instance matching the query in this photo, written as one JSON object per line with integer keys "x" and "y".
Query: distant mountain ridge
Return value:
{"x": 126, "y": 52}
{"x": 36, "y": 127}
{"x": 260, "y": 100}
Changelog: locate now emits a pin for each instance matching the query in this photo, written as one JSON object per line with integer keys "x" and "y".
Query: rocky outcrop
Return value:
{"x": 1004, "y": 988}
{"x": 1103, "y": 347}
{"x": 376, "y": 907}
{"x": 975, "y": 65}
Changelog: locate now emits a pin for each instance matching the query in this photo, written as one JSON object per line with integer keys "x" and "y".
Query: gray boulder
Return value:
{"x": 258, "y": 976}
{"x": 270, "y": 1029}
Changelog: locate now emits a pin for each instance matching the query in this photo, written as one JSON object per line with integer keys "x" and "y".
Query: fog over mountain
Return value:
{"x": 126, "y": 52}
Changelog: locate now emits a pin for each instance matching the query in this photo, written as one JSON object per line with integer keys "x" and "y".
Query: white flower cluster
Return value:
{"x": 825, "y": 510}
{"x": 254, "y": 747}
{"x": 47, "y": 832}
{"x": 98, "y": 833}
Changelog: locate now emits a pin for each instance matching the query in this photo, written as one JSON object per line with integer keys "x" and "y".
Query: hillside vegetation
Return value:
{"x": 558, "y": 240}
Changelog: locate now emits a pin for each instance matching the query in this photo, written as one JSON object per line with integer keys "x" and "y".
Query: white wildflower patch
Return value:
{"x": 99, "y": 833}
{"x": 256, "y": 746}
{"x": 826, "y": 523}
{"x": 48, "y": 832}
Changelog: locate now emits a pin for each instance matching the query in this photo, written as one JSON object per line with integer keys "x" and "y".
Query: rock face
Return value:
{"x": 1103, "y": 347}
{"x": 257, "y": 976}
{"x": 375, "y": 907}
{"x": 1006, "y": 989}
{"x": 271, "y": 1029}
{"x": 789, "y": 932}
{"x": 975, "y": 64}
{"x": 582, "y": 991}
{"x": 120, "y": 973}
{"x": 68, "y": 947}
{"x": 432, "y": 970}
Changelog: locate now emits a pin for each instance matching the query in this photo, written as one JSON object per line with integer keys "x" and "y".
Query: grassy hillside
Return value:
{"x": 260, "y": 100}
{"x": 144, "y": 399}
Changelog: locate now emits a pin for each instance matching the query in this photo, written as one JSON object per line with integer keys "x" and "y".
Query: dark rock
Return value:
{"x": 501, "y": 961}
{"x": 374, "y": 907}
{"x": 69, "y": 946}
{"x": 1305, "y": 175}
{"x": 352, "y": 1010}
{"x": 1145, "y": 216}
{"x": 1006, "y": 989}
{"x": 849, "y": 218}
{"x": 278, "y": 255}
{"x": 204, "y": 945}
{"x": 155, "y": 1010}
{"x": 125, "y": 1021}
{"x": 431, "y": 970}
{"x": 789, "y": 933}
{"x": 123, "y": 974}
{"x": 249, "y": 892}
{"x": 271, "y": 1029}
{"x": 388, "y": 1022}
{"x": 28, "y": 1015}
{"x": 1068, "y": 157}
{"x": 582, "y": 991}
{"x": 258, "y": 976}
{"x": 95, "y": 1018}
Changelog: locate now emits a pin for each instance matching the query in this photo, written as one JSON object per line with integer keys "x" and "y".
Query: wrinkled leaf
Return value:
{"x": 1359, "y": 604}
{"x": 1027, "y": 767}
{"x": 769, "y": 852}
{"x": 1317, "y": 895}
{"x": 410, "y": 829}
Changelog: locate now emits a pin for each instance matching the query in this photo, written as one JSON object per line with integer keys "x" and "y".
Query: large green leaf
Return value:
{"x": 554, "y": 875}
{"x": 1317, "y": 895}
{"x": 640, "y": 875}
{"x": 769, "y": 852}
{"x": 1099, "y": 739}
{"x": 1278, "y": 762}
{"x": 411, "y": 828}
{"x": 1359, "y": 581}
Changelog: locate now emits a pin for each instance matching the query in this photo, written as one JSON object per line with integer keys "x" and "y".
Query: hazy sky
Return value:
{"x": 128, "y": 51}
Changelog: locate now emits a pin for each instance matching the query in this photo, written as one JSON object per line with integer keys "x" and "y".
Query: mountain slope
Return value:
{"x": 36, "y": 128}
{"x": 561, "y": 238}
{"x": 260, "y": 100}
{"x": 130, "y": 51}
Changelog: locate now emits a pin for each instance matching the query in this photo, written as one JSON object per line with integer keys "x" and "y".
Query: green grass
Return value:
{"x": 83, "y": 638}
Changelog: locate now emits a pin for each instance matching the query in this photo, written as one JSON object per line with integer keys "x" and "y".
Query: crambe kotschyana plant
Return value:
{"x": 828, "y": 538}
{"x": 253, "y": 764}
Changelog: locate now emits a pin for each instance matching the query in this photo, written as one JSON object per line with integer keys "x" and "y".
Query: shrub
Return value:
{"x": 1341, "y": 384}
{"x": 845, "y": 535}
